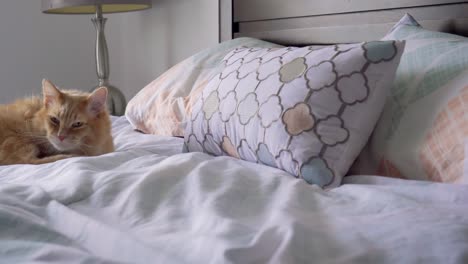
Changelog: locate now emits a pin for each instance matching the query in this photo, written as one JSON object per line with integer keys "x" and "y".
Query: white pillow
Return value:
{"x": 308, "y": 112}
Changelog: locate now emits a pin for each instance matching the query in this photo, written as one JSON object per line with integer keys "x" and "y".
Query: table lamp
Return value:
{"x": 116, "y": 100}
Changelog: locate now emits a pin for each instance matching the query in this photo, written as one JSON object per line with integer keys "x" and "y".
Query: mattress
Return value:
{"x": 149, "y": 203}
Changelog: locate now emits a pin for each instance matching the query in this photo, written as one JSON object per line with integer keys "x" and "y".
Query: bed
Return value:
{"x": 152, "y": 202}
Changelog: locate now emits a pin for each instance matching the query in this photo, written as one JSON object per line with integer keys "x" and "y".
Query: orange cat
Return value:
{"x": 60, "y": 125}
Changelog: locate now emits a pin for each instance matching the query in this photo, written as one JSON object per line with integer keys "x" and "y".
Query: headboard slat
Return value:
{"x": 344, "y": 34}
{"x": 254, "y": 10}
{"x": 351, "y": 26}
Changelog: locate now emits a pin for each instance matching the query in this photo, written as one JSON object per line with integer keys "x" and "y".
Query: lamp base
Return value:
{"x": 116, "y": 102}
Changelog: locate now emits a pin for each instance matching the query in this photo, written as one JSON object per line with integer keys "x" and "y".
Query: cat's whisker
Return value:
{"x": 31, "y": 134}
{"x": 84, "y": 144}
{"x": 85, "y": 147}
{"x": 32, "y": 137}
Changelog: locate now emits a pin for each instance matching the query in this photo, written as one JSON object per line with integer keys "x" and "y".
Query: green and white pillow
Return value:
{"x": 308, "y": 112}
{"x": 422, "y": 131}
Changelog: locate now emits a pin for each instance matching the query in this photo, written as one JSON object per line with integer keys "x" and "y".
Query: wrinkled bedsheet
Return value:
{"x": 149, "y": 203}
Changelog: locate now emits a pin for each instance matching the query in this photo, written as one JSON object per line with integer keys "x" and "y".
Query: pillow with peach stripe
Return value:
{"x": 303, "y": 110}
{"x": 424, "y": 125}
{"x": 162, "y": 106}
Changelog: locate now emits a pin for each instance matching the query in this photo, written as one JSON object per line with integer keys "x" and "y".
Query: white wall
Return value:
{"x": 142, "y": 45}
{"x": 35, "y": 46}
{"x": 153, "y": 40}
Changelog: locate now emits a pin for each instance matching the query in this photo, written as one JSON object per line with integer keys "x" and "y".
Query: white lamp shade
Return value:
{"x": 89, "y": 6}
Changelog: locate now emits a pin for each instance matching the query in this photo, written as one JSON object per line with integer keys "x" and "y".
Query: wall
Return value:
{"x": 142, "y": 45}
{"x": 35, "y": 46}
{"x": 153, "y": 40}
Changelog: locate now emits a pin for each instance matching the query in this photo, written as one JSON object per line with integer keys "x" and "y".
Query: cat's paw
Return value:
{"x": 54, "y": 158}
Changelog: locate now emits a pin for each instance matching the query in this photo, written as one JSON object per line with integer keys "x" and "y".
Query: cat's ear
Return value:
{"x": 50, "y": 93}
{"x": 97, "y": 101}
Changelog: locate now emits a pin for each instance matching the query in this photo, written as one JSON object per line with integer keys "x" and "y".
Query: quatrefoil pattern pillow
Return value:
{"x": 308, "y": 112}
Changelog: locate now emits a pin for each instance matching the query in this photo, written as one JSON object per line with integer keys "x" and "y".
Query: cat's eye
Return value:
{"x": 77, "y": 124}
{"x": 54, "y": 120}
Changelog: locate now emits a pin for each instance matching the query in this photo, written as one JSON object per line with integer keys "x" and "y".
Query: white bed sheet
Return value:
{"x": 147, "y": 203}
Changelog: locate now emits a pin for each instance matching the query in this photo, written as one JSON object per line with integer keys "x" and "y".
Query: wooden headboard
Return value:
{"x": 305, "y": 22}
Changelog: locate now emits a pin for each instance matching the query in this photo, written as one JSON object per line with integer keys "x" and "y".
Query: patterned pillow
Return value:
{"x": 308, "y": 112}
{"x": 162, "y": 106}
{"x": 423, "y": 129}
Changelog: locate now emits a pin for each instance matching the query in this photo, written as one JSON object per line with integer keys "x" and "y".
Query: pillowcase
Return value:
{"x": 162, "y": 106}
{"x": 308, "y": 112}
{"x": 423, "y": 129}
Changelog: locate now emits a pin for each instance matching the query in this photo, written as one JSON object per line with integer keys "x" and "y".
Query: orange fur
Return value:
{"x": 63, "y": 124}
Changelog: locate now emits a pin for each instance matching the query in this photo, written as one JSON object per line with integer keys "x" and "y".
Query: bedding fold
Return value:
{"x": 147, "y": 204}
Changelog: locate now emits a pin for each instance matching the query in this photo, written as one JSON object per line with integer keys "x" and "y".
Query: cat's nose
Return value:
{"x": 61, "y": 137}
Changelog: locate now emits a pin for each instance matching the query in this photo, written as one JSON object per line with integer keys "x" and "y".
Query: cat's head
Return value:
{"x": 71, "y": 116}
